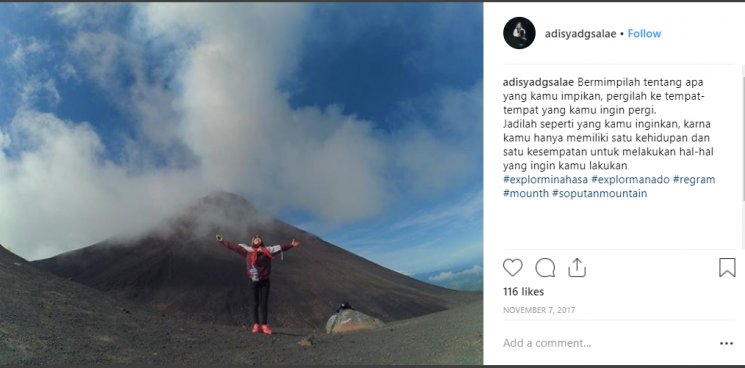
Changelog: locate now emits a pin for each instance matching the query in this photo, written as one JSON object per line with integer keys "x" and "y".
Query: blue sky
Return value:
{"x": 358, "y": 122}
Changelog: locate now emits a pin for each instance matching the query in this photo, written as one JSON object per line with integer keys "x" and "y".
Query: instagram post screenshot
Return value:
{"x": 372, "y": 183}
{"x": 613, "y": 183}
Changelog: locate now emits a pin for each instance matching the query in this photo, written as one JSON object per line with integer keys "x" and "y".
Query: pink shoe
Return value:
{"x": 266, "y": 329}
{"x": 255, "y": 328}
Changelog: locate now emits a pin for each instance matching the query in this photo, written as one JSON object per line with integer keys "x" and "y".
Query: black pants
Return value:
{"x": 260, "y": 296}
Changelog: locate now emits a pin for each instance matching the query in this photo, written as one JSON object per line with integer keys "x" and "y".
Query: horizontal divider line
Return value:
{"x": 616, "y": 249}
{"x": 620, "y": 320}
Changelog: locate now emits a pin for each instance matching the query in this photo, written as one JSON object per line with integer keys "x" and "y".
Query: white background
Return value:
{"x": 652, "y": 292}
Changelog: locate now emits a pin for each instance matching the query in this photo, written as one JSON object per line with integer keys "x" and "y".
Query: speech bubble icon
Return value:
{"x": 545, "y": 267}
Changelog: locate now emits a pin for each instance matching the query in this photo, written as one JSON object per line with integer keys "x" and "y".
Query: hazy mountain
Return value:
{"x": 180, "y": 269}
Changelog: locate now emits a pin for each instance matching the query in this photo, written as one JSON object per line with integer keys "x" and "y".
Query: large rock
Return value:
{"x": 348, "y": 320}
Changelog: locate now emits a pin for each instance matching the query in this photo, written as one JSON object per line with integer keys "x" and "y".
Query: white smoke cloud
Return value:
{"x": 61, "y": 194}
{"x": 222, "y": 124}
{"x": 238, "y": 123}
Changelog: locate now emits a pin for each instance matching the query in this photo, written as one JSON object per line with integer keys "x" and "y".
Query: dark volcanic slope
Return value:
{"x": 47, "y": 320}
{"x": 181, "y": 270}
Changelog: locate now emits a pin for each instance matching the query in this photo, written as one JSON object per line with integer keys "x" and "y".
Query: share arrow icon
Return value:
{"x": 575, "y": 271}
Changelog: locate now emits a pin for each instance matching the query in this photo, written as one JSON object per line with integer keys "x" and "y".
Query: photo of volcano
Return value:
{"x": 241, "y": 183}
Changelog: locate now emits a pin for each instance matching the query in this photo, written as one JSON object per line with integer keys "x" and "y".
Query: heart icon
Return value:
{"x": 512, "y": 266}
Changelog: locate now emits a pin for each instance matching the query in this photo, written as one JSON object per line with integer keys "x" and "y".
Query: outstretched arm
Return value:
{"x": 281, "y": 248}
{"x": 235, "y": 247}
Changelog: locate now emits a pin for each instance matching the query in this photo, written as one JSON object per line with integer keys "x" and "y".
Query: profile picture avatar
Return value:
{"x": 519, "y": 32}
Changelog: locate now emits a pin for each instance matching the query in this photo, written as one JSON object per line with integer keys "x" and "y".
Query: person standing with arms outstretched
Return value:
{"x": 259, "y": 268}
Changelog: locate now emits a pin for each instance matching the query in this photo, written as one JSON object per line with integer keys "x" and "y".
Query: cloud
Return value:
{"x": 90, "y": 15}
{"x": 106, "y": 56}
{"x": 36, "y": 89}
{"x": 449, "y": 275}
{"x": 61, "y": 193}
{"x": 67, "y": 71}
{"x": 31, "y": 86}
{"x": 118, "y": 66}
{"x": 29, "y": 75}
{"x": 4, "y": 140}
{"x": 440, "y": 145}
{"x": 23, "y": 50}
{"x": 466, "y": 209}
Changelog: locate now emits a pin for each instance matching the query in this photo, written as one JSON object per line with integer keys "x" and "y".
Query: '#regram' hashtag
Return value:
{"x": 676, "y": 178}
